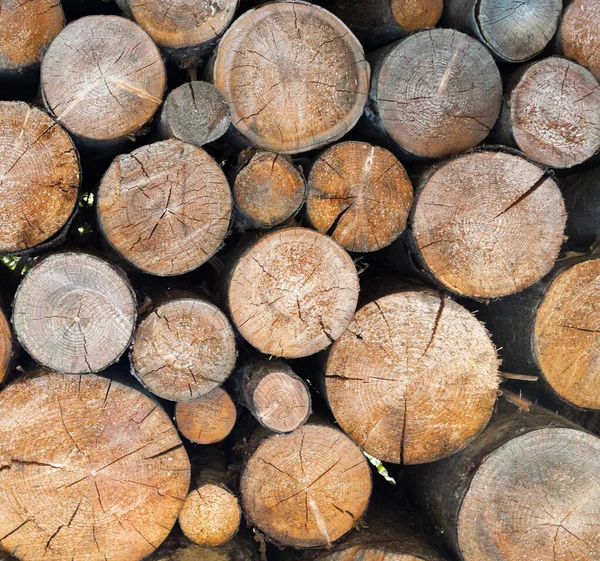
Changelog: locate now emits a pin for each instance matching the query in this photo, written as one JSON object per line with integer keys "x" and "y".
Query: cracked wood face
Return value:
{"x": 554, "y": 113}
{"x": 165, "y": 207}
{"x": 535, "y": 497}
{"x": 566, "y": 335}
{"x": 6, "y": 346}
{"x": 90, "y": 470}
{"x": 184, "y": 349}
{"x": 39, "y": 177}
{"x": 360, "y": 195}
{"x": 292, "y": 292}
{"x": 414, "y": 377}
{"x": 307, "y": 488}
{"x": 413, "y": 15}
{"x": 269, "y": 189}
{"x": 294, "y": 75}
{"x": 437, "y": 93}
{"x": 27, "y": 29}
{"x": 578, "y": 34}
{"x": 74, "y": 313}
{"x": 103, "y": 78}
{"x": 488, "y": 224}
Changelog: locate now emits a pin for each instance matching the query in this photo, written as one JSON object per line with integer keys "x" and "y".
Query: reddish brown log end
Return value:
{"x": 579, "y": 38}
{"x": 413, "y": 15}
{"x": 74, "y": 313}
{"x": 489, "y": 224}
{"x": 293, "y": 292}
{"x": 294, "y": 75}
{"x": 89, "y": 469}
{"x": 6, "y": 346}
{"x": 39, "y": 177}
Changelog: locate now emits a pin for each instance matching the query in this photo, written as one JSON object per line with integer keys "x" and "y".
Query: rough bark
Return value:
{"x": 268, "y": 190}
{"x": 551, "y": 112}
{"x": 435, "y": 93}
{"x": 195, "y": 112}
{"x": 89, "y": 468}
{"x": 39, "y": 177}
{"x": 360, "y": 195}
{"x": 527, "y": 488}
{"x": 294, "y": 76}
{"x": 514, "y": 31}
{"x": 102, "y": 79}
{"x": 292, "y": 292}
{"x": 74, "y": 313}
{"x": 578, "y": 34}
{"x": 414, "y": 377}
{"x": 165, "y": 207}
{"x": 6, "y": 346}
{"x": 487, "y": 224}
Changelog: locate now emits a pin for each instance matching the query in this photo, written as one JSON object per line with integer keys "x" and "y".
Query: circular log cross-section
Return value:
{"x": 6, "y": 346}
{"x": 269, "y": 189}
{"x": 414, "y": 377}
{"x": 184, "y": 349}
{"x": 306, "y": 488}
{"x": 437, "y": 93}
{"x": 27, "y": 29}
{"x": 165, "y": 207}
{"x": 578, "y": 34}
{"x": 103, "y": 78}
{"x": 210, "y": 515}
{"x": 360, "y": 195}
{"x": 553, "y": 113}
{"x": 89, "y": 469}
{"x": 74, "y": 313}
{"x": 195, "y": 112}
{"x": 207, "y": 419}
{"x": 295, "y": 77}
{"x": 488, "y": 224}
{"x": 293, "y": 292}
{"x": 39, "y": 177}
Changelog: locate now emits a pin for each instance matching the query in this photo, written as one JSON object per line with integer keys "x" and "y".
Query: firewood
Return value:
{"x": 306, "y": 488}
{"x": 74, "y": 313}
{"x": 165, "y": 207}
{"x": 360, "y": 195}
{"x": 183, "y": 349}
{"x": 435, "y": 93}
{"x": 102, "y": 78}
{"x": 513, "y": 31}
{"x": 295, "y": 77}
{"x": 578, "y": 34}
{"x": 292, "y": 292}
{"x": 487, "y": 224}
{"x": 195, "y": 112}
{"x": 414, "y": 377}
{"x": 268, "y": 190}
{"x": 6, "y": 346}
{"x": 527, "y": 488}
{"x": 39, "y": 177}
{"x": 89, "y": 468}
{"x": 207, "y": 419}
{"x": 551, "y": 112}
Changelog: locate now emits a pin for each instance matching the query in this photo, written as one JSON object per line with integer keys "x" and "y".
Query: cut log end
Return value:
{"x": 537, "y": 496}
{"x": 269, "y": 189}
{"x": 74, "y": 313}
{"x": 412, "y": 15}
{"x": 307, "y": 488}
{"x": 39, "y": 177}
{"x": 6, "y": 346}
{"x": 437, "y": 93}
{"x": 554, "y": 113}
{"x": 195, "y": 112}
{"x": 184, "y": 349}
{"x": 210, "y": 515}
{"x": 567, "y": 328}
{"x": 110, "y": 471}
{"x": 293, "y": 292}
{"x": 208, "y": 419}
{"x": 103, "y": 78}
{"x": 165, "y": 207}
{"x": 489, "y": 224}
{"x": 360, "y": 195}
{"x": 294, "y": 76}
{"x": 414, "y": 377}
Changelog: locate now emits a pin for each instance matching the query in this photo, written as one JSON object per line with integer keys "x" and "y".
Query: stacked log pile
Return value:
{"x": 299, "y": 281}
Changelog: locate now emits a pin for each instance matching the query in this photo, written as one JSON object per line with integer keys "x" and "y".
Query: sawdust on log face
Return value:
{"x": 579, "y": 38}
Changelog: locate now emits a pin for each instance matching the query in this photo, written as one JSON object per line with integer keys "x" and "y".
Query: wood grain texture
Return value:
{"x": 6, "y": 346}
{"x": 578, "y": 34}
